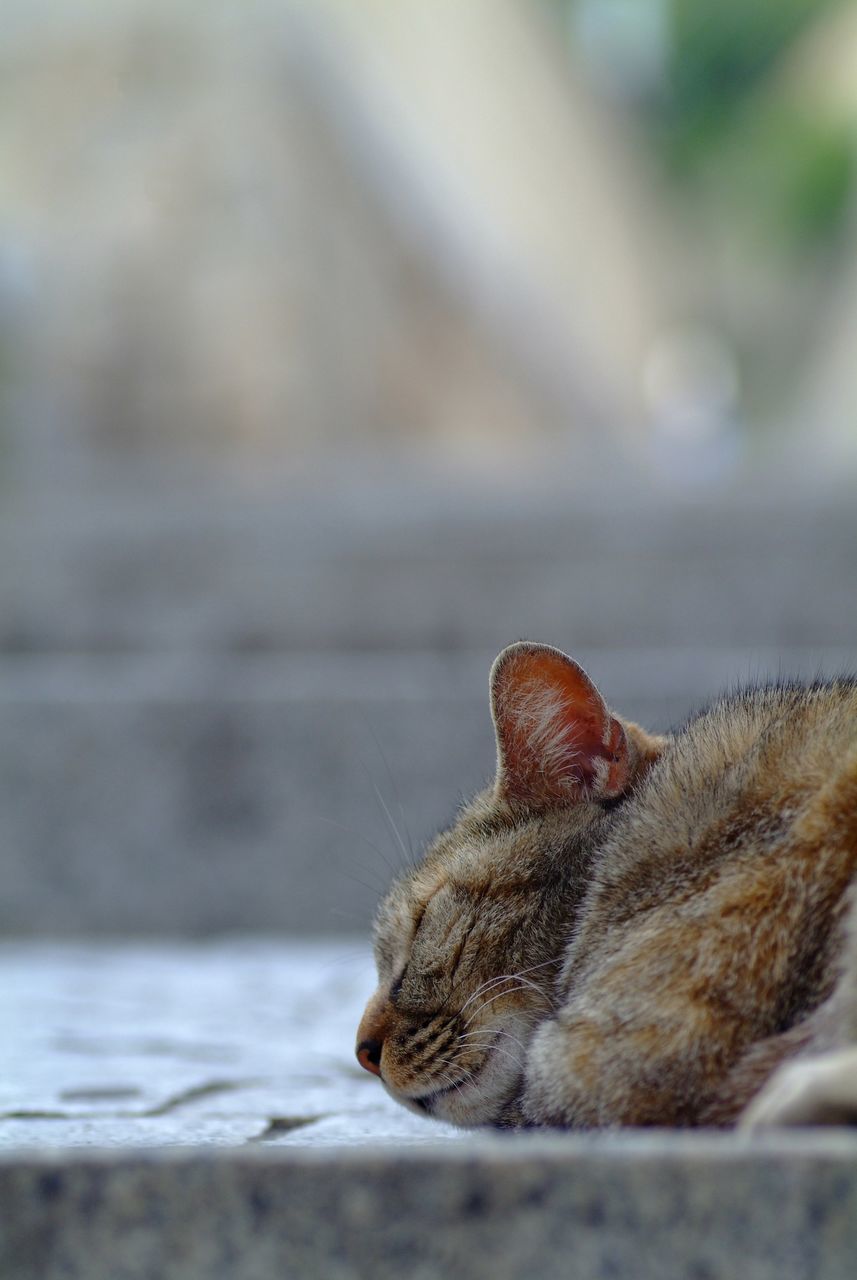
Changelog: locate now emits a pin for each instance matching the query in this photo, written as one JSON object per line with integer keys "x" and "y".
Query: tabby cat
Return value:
{"x": 632, "y": 930}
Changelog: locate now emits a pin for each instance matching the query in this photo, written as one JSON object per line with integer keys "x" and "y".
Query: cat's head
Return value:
{"x": 469, "y": 942}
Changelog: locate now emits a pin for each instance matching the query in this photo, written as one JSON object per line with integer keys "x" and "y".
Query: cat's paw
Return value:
{"x": 560, "y": 1090}
{"x": 808, "y": 1091}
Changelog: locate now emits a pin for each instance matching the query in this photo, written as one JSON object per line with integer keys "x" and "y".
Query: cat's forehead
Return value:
{"x": 432, "y": 891}
{"x": 484, "y": 862}
{"x": 435, "y": 890}
{"x": 465, "y": 868}
{"x": 468, "y": 870}
{"x": 480, "y": 851}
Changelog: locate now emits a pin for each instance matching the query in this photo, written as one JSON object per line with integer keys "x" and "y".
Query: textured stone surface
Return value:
{"x": 285, "y": 1159}
{"x": 659, "y": 1206}
{"x": 232, "y": 1045}
{"x": 221, "y": 1044}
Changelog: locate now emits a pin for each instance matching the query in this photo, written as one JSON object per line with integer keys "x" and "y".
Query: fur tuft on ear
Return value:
{"x": 557, "y": 742}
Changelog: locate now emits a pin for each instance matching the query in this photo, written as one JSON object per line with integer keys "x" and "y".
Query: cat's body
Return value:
{"x": 632, "y": 930}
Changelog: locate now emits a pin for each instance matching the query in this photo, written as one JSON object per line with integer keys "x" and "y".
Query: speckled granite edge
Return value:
{"x": 699, "y": 1206}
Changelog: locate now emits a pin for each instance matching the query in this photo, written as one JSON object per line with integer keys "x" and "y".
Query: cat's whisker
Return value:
{"x": 492, "y": 1031}
{"x": 399, "y": 805}
{"x": 374, "y": 872}
{"x": 507, "y": 977}
{"x": 496, "y": 1048}
{"x": 513, "y": 1058}
{"x": 398, "y": 842}
{"x": 499, "y": 996}
{"x": 487, "y": 985}
{"x": 452, "y": 1082}
{"x": 455, "y": 986}
{"x": 455, "y": 1062}
{"x": 523, "y": 985}
{"x": 350, "y": 958}
{"x": 525, "y": 982}
{"x": 372, "y": 888}
{"x": 352, "y": 831}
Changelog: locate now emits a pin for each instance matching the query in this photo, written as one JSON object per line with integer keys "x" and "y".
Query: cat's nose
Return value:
{"x": 373, "y": 1031}
{"x": 369, "y": 1055}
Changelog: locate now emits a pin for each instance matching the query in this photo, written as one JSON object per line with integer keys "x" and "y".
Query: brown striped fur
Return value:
{"x": 629, "y": 930}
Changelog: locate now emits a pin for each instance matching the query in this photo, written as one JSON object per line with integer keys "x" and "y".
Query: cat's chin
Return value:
{"x": 468, "y": 1108}
{"x": 487, "y": 1099}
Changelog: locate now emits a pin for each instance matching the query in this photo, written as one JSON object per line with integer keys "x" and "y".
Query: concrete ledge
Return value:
{"x": 245, "y": 1143}
{"x": 711, "y": 1207}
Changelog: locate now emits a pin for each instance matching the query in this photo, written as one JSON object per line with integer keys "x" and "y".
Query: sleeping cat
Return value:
{"x": 632, "y": 930}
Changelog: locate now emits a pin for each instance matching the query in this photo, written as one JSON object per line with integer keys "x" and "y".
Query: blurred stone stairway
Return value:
{"x": 202, "y": 697}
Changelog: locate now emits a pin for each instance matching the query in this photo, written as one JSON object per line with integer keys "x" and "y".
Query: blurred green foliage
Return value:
{"x": 790, "y": 173}
{"x": 783, "y": 169}
{"x": 719, "y": 52}
{"x": 787, "y": 170}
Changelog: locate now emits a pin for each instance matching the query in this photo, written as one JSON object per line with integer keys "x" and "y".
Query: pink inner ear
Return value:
{"x": 556, "y": 738}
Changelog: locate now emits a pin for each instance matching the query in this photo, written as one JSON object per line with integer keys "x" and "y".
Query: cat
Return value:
{"x": 629, "y": 929}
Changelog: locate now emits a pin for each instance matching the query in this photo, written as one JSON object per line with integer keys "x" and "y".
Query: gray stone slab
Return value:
{"x": 646, "y": 1207}
{"x": 217, "y": 1044}
{"x": 188, "y": 1111}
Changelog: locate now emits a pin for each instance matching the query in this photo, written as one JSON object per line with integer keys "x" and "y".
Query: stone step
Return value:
{"x": 203, "y": 793}
{"x": 285, "y": 1159}
{"x": 417, "y": 569}
{"x": 651, "y": 1207}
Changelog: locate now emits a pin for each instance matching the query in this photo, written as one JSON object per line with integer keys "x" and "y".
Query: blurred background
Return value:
{"x": 344, "y": 342}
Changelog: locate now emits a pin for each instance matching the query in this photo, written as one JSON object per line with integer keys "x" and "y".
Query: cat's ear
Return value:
{"x": 557, "y": 741}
